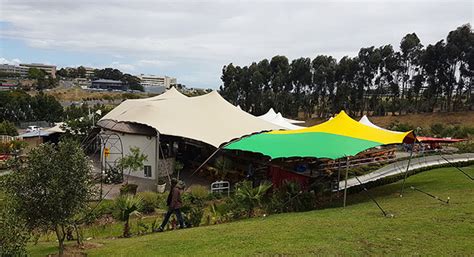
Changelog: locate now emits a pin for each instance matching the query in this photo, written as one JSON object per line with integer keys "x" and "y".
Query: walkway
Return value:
{"x": 400, "y": 167}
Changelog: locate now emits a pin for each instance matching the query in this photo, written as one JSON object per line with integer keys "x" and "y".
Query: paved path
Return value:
{"x": 400, "y": 167}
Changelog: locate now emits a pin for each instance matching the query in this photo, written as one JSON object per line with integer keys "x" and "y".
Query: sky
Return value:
{"x": 193, "y": 40}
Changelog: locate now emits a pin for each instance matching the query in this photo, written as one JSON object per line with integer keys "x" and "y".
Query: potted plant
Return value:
{"x": 161, "y": 186}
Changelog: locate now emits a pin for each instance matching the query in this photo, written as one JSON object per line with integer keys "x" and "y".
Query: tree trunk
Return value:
{"x": 78, "y": 235}
{"x": 60, "y": 234}
{"x": 126, "y": 229}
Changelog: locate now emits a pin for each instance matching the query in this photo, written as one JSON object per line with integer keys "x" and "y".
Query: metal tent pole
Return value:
{"x": 345, "y": 182}
{"x": 406, "y": 172}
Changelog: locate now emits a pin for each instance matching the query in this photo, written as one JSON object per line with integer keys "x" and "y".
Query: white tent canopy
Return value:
{"x": 365, "y": 120}
{"x": 208, "y": 118}
{"x": 277, "y": 118}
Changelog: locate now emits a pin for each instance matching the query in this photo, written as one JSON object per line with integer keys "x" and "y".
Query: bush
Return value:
{"x": 199, "y": 192}
{"x": 8, "y": 128}
{"x": 465, "y": 147}
{"x": 248, "y": 197}
{"x": 150, "y": 201}
{"x": 290, "y": 198}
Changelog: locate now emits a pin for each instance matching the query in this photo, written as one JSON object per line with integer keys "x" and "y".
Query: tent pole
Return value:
{"x": 408, "y": 167}
{"x": 338, "y": 174}
{"x": 207, "y": 160}
{"x": 345, "y": 182}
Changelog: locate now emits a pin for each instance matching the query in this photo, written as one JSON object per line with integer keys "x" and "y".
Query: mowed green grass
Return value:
{"x": 421, "y": 226}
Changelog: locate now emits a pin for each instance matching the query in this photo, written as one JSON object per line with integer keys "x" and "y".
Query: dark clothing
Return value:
{"x": 178, "y": 216}
{"x": 176, "y": 202}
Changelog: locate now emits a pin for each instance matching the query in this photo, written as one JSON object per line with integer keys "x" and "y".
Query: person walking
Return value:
{"x": 174, "y": 204}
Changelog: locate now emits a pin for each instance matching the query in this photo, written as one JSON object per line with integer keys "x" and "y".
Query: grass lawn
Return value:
{"x": 421, "y": 226}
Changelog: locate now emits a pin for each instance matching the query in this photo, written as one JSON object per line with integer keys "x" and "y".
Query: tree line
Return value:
{"x": 133, "y": 82}
{"x": 378, "y": 81}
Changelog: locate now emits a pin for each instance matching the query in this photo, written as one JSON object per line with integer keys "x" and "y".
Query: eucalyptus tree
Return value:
{"x": 280, "y": 83}
{"x": 324, "y": 70}
{"x": 411, "y": 50}
{"x": 300, "y": 77}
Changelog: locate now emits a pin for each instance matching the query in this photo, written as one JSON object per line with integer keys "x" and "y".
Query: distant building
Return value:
{"x": 50, "y": 69}
{"x": 108, "y": 84}
{"x": 89, "y": 72}
{"x": 148, "y": 81}
{"x": 14, "y": 69}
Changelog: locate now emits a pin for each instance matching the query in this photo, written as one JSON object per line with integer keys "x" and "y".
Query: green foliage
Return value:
{"x": 17, "y": 106}
{"x": 151, "y": 201}
{"x": 8, "y": 128}
{"x": 398, "y": 126}
{"x": 52, "y": 187}
{"x": 289, "y": 197}
{"x": 465, "y": 147}
{"x": 14, "y": 233}
{"x": 46, "y": 108}
{"x": 125, "y": 206}
{"x": 248, "y": 197}
{"x": 199, "y": 192}
{"x": 134, "y": 160}
{"x": 12, "y": 147}
{"x": 379, "y": 80}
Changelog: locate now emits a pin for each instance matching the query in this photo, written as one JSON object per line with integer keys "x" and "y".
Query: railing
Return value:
{"x": 220, "y": 187}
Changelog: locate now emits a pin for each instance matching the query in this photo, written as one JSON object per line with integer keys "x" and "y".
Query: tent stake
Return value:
{"x": 371, "y": 198}
{"x": 345, "y": 182}
{"x": 406, "y": 172}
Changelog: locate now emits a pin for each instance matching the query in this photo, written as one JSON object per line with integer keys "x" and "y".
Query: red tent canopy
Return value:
{"x": 439, "y": 140}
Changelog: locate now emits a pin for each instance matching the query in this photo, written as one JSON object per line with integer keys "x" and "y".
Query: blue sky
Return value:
{"x": 192, "y": 40}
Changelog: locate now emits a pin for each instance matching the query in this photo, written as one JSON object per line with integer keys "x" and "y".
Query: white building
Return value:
{"x": 14, "y": 69}
{"x": 50, "y": 69}
{"x": 156, "y": 81}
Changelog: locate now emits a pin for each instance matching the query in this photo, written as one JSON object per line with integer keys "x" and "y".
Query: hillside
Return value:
{"x": 421, "y": 226}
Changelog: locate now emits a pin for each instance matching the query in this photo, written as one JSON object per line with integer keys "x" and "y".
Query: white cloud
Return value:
{"x": 196, "y": 38}
{"x": 14, "y": 61}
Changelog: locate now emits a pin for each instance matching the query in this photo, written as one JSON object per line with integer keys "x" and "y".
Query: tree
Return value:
{"x": 13, "y": 231}
{"x": 46, "y": 107}
{"x": 127, "y": 205}
{"x": 81, "y": 72}
{"x": 52, "y": 187}
{"x": 133, "y": 161}
{"x": 8, "y": 128}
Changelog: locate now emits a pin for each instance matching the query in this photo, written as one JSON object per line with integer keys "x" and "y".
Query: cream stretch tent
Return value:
{"x": 208, "y": 118}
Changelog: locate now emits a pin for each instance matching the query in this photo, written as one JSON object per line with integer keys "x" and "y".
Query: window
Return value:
{"x": 147, "y": 169}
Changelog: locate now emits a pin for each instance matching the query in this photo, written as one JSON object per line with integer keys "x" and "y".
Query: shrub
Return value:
{"x": 150, "y": 201}
{"x": 199, "y": 192}
{"x": 125, "y": 206}
{"x": 248, "y": 197}
{"x": 465, "y": 147}
{"x": 290, "y": 198}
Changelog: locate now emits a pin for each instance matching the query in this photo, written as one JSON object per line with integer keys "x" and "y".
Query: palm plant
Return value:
{"x": 250, "y": 197}
{"x": 126, "y": 206}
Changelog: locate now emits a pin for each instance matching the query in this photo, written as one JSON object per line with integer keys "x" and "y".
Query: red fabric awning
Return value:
{"x": 439, "y": 140}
